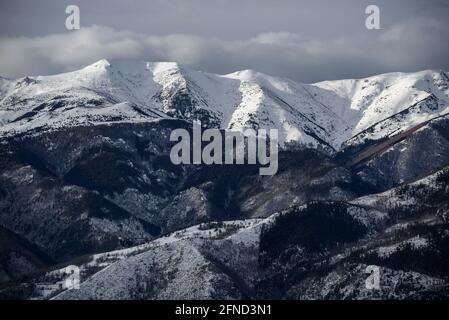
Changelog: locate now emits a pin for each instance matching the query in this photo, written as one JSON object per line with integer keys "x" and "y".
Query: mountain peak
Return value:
{"x": 330, "y": 112}
{"x": 246, "y": 74}
{"x": 131, "y": 66}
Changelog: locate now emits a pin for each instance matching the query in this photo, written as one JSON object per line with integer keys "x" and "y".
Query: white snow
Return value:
{"x": 333, "y": 111}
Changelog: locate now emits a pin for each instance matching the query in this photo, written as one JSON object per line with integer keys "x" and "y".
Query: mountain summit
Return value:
{"x": 331, "y": 113}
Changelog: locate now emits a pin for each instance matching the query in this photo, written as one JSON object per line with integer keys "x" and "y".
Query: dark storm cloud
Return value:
{"x": 304, "y": 40}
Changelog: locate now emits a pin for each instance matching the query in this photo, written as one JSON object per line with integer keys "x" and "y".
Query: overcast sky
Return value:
{"x": 307, "y": 41}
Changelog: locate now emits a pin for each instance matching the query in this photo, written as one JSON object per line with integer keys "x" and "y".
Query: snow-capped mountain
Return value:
{"x": 85, "y": 179}
{"x": 332, "y": 113}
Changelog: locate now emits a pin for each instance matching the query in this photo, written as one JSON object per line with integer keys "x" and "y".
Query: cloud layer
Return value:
{"x": 408, "y": 46}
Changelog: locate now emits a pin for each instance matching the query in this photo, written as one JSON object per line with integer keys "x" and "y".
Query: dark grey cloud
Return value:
{"x": 303, "y": 40}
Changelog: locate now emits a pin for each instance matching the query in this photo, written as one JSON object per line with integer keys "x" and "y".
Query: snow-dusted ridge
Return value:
{"x": 239, "y": 232}
{"x": 327, "y": 113}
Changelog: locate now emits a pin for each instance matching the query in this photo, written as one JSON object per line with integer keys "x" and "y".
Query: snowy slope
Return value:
{"x": 327, "y": 113}
{"x": 192, "y": 263}
{"x": 174, "y": 266}
{"x": 409, "y": 195}
{"x": 386, "y": 104}
{"x": 222, "y": 260}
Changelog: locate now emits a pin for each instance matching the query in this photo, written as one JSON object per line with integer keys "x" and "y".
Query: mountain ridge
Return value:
{"x": 85, "y": 169}
{"x": 328, "y": 113}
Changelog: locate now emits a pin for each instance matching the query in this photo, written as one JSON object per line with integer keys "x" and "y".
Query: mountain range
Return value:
{"x": 86, "y": 180}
